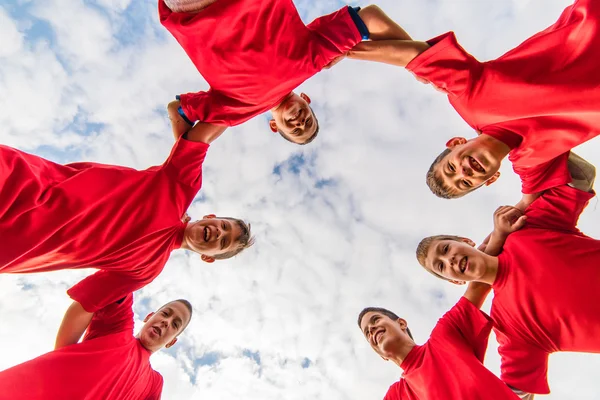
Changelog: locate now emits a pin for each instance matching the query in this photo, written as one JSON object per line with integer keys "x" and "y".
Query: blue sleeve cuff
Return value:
{"x": 180, "y": 111}
{"x": 362, "y": 28}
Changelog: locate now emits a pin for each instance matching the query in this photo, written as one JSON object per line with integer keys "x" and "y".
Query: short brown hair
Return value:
{"x": 310, "y": 139}
{"x": 383, "y": 311}
{"x": 423, "y": 249}
{"x": 245, "y": 239}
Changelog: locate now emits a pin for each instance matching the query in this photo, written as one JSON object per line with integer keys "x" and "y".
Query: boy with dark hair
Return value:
{"x": 538, "y": 281}
{"x": 119, "y": 220}
{"x": 534, "y": 104}
{"x": 254, "y": 53}
{"x": 109, "y": 364}
{"x": 449, "y": 365}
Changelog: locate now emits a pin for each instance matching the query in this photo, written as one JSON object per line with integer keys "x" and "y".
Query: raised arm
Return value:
{"x": 394, "y": 52}
{"x": 73, "y": 325}
{"x": 200, "y": 132}
{"x": 380, "y": 26}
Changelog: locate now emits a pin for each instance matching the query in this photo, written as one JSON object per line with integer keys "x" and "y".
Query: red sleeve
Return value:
{"x": 335, "y": 34}
{"x": 185, "y": 162}
{"x": 447, "y": 65}
{"x": 523, "y": 367}
{"x": 471, "y": 324}
{"x": 156, "y": 390}
{"x": 103, "y": 288}
{"x": 115, "y": 317}
{"x": 206, "y": 107}
{"x": 558, "y": 208}
{"x": 544, "y": 176}
{"x": 392, "y": 393}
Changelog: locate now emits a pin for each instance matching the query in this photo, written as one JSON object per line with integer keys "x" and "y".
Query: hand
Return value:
{"x": 335, "y": 61}
{"x": 508, "y": 219}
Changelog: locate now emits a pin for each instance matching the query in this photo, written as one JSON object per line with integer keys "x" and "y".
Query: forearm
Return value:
{"x": 394, "y": 52}
{"x": 477, "y": 292}
{"x": 380, "y": 26}
{"x": 73, "y": 325}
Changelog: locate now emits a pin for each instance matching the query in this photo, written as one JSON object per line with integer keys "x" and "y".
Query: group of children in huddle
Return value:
{"x": 533, "y": 104}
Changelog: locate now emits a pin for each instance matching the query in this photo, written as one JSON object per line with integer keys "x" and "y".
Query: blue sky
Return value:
{"x": 337, "y": 221}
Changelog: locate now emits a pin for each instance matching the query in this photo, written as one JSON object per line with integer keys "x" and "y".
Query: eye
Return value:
{"x": 445, "y": 249}
{"x": 451, "y": 167}
{"x": 223, "y": 244}
{"x": 467, "y": 183}
{"x": 223, "y": 225}
{"x": 164, "y": 313}
{"x": 441, "y": 267}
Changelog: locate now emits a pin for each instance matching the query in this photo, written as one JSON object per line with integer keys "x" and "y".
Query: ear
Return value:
{"x": 273, "y": 125}
{"x": 455, "y": 141}
{"x": 305, "y": 97}
{"x": 469, "y": 242}
{"x": 402, "y": 322}
{"x": 209, "y": 216}
{"x": 148, "y": 317}
{"x": 493, "y": 179}
{"x": 207, "y": 259}
{"x": 171, "y": 343}
{"x": 457, "y": 282}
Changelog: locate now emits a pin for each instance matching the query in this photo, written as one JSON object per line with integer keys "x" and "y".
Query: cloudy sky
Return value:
{"x": 336, "y": 222}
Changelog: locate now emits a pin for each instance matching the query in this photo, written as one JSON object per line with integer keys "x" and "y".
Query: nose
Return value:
{"x": 449, "y": 259}
{"x": 300, "y": 122}
{"x": 466, "y": 168}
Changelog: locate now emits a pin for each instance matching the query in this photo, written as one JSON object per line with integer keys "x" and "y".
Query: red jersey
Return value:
{"x": 122, "y": 221}
{"x": 546, "y": 291}
{"x": 541, "y": 98}
{"x": 253, "y": 53}
{"x": 109, "y": 364}
{"x": 449, "y": 365}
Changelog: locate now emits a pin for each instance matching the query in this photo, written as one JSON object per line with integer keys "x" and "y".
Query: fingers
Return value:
{"x": 520, "y": 222}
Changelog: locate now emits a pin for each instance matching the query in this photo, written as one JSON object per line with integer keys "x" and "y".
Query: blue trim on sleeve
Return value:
{"x": 362, "y": 28}
{"x": 186, "y": 119}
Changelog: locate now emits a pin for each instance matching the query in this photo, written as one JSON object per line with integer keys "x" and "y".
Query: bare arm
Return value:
{"x": 200, "y": 132}
{"x": 394, "y": 52}
{"x": 582, "y": 172}
{"x": 380, "y": 26}
{"x": 73, "y": 325}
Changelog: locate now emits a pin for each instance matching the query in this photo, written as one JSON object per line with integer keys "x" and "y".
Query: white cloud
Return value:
{"x": 333, "y": 238}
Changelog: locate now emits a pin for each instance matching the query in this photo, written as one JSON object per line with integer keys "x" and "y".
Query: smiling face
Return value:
{"x": 212, "y": 236}
{"x": 162, "y": 328}
{"x": 386, "y": 336}
{"x": 294, "y": 119}
{"x": 457, "y": 261}
{"x": 469, "y": 165}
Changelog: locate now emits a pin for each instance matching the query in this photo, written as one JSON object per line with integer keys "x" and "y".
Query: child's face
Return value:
{"x": 456, "y": 261}
{"x": 161, "y": 328}
{"x": 383, "y": 333}
{"x": 468, "y": 165}
{"x": 294, "y": 119}
{"x": 211, "y": 236}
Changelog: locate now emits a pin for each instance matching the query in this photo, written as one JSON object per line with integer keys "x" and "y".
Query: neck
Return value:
{"x": 402, "y": 352}
{"x": 142, "y": 344}
{"x": 497, "y": 148}
{"x": 491, "y": 271}
{"x": 287, "y": 96}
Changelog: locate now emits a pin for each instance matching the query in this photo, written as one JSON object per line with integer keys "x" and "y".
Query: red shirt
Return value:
{"x": 541, "y": 98}
{"x": 546, "y": 294}
{"x": 253, "y": 53}
{"x": 449, "y": 365}
{"x": 85, "y": 215}
{"x": 109, "y": 364}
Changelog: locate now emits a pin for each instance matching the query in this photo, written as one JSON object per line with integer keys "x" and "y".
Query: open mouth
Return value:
{"x": 206, "y": 233}
{"x": 296, "y": 115}
{"x": 463, "y": 265}
{"x": 476, "y": 166}
{"x": 377, "y": 337}
{"x": 157, "y": 331}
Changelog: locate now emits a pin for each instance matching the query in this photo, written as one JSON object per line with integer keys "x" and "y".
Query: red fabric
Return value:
{"x": 110, "y": 364}
{"x": 253, "y": 53}
{"x": 545, "y": 294}
{"x": 541, "y": 98}
{"x": 85, "y": 215}
{"x": 449, "y": 365}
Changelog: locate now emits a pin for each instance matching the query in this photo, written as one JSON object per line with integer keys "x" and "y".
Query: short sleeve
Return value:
{"x": 335, "y": 34}
{"x": 205, "y": 107}
{"x": 558, "y": 208}
{"x": 115, "y": 317}
{"x": 523, "y": 367}
{"x": 156, "y": 389}
{"x": 446, "y": 65}
{"x": 185, "y": 162}
{"x": 471, "y": 325}
{"x": 104, "y": 288}
{"x": 544, "y": 176}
